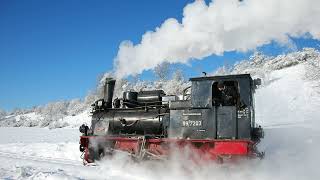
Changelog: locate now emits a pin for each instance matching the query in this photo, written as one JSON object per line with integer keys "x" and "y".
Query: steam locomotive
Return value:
{"x": 150, "y": 124}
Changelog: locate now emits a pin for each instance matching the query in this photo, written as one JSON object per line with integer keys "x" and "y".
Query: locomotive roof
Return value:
{"x": 224, "y": 77}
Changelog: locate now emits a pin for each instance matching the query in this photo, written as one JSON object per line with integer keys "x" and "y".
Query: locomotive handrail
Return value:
{"x": 137, "y": 107}
{"x": 184, "y": 93}
{"x": 145, "y": 105}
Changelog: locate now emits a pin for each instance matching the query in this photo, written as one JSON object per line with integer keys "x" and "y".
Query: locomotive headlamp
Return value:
{"x": 81, "y": 148}
{"x": 84, "y": 129}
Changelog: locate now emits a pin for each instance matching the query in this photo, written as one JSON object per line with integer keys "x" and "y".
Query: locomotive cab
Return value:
{"x": 208, "y": 117}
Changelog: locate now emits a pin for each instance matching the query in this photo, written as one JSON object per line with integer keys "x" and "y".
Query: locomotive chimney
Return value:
{"x": 108, "y": 91}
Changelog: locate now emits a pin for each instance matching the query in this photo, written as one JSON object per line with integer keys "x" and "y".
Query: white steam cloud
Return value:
{"x": 223, "y": 25}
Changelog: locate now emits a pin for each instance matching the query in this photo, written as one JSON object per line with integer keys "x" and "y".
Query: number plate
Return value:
{"x": 191, "y": 123}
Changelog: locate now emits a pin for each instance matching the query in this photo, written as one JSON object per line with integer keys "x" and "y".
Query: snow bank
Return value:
{"x": 288, "y": 98}
{"x": 34, "y": 119}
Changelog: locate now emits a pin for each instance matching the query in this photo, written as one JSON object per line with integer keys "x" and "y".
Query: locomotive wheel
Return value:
{"x": 95, "y": 154}
{"x": 219, "y": 160}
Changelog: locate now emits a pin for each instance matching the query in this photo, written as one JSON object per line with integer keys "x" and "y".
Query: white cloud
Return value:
{"x": 223, "y": 25}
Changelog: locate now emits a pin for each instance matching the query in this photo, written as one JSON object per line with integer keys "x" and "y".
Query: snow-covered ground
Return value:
{"x": 289, "y": 98}
{"x": 287, "y": 106}
{"x": 291, "y": 153}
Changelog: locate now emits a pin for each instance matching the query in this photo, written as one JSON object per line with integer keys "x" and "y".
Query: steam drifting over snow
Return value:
{"x": 223, "y": 25}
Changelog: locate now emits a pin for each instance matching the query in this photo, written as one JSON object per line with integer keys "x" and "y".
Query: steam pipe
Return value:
{"x": 108, "y": 91}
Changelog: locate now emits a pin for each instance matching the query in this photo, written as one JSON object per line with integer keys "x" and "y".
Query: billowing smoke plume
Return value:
{"x": 223, "y": 25}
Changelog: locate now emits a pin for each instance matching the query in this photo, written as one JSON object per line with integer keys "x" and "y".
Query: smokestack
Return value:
{"x": 108, "y": 91}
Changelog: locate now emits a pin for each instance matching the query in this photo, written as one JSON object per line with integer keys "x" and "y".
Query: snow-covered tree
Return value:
{"x": 53, "y": 112}
{"x": 75, "y": 106}
{"x": 224, "y": 70}
{"x": 162, "y": 71}
{"x": 3, "y": 113}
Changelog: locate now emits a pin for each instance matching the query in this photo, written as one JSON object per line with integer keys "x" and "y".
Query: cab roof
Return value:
{"x": 224, "y": 77}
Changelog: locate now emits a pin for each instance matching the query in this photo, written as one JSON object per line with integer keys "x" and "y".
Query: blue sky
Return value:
{"x": 56, "y": 50}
